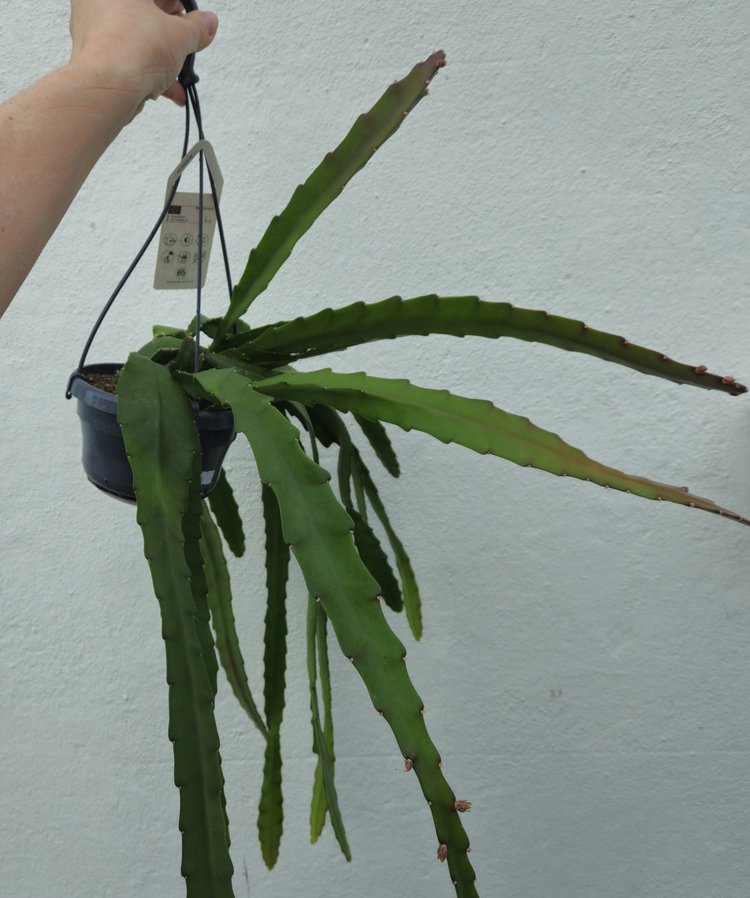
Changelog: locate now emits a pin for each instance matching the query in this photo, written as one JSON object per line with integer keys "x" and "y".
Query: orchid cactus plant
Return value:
{"x": 355, "y": 578}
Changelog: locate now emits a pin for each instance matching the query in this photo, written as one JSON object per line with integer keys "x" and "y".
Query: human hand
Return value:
{"x": 137, "y": 46}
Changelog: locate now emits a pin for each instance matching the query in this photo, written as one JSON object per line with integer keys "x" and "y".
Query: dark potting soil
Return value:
{"x": 106, "y": 382}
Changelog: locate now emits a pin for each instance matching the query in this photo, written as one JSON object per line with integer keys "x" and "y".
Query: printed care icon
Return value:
{"x": 188, "y": 227}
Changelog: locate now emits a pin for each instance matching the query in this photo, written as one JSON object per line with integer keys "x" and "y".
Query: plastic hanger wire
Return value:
{"x": 192, "y": 104}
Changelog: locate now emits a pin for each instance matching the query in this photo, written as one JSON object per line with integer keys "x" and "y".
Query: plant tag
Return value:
{"x": 178, "y": 249}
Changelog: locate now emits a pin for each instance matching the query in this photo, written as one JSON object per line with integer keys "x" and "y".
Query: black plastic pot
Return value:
{"x": 104, "y": 459}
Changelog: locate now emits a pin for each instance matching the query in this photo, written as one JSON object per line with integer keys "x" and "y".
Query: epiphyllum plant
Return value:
{"x": 285, "y": 414}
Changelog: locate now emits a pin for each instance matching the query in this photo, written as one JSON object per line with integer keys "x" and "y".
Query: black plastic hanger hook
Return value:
{"x": 187, "y": 76}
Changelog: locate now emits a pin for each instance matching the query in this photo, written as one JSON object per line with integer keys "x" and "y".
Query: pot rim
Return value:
{"x": 102, "y": 400}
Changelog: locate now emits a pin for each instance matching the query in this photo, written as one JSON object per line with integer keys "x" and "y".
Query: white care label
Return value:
{"x": 184, "y": 247}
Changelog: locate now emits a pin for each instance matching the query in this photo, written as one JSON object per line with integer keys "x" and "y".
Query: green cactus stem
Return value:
{"x": 319, "y": 533}
{"x": 271, "y": 807}
{"x": 162, "y": 443}
{"x": 332, "y": 330}
{"x": 323, "y": 732}
{"x": 227, "y": 514}
{"x": 310, "y": 199}
{"x": 222, "y": 617}
{"x": 474, "y": 423}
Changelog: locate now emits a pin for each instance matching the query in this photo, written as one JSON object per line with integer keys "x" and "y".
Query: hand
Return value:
{"x": 137, "y": 46}
{"x": 54, "y": 131}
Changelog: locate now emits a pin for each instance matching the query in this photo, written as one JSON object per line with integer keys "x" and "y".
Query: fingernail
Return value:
{"x": 211, "y": 22}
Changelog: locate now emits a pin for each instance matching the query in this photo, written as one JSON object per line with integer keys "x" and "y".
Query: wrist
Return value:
{"x": 109, "y": 91}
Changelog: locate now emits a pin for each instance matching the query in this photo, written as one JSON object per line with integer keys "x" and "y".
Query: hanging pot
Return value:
{"x": 104, "y": 459}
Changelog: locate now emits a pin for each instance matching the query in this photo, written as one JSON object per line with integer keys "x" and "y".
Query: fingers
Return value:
{"x": 176, "y": 93}
{"x": 203, "y": 26}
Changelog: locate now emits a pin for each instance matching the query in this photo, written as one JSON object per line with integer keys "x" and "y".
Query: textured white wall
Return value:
{"x": 586, "y": 657}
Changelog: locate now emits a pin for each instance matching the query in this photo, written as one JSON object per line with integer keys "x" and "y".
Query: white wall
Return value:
{"x": 586, "y": 656}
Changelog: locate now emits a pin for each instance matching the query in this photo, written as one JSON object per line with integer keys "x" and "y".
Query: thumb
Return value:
{"x": 202, "y": 29}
